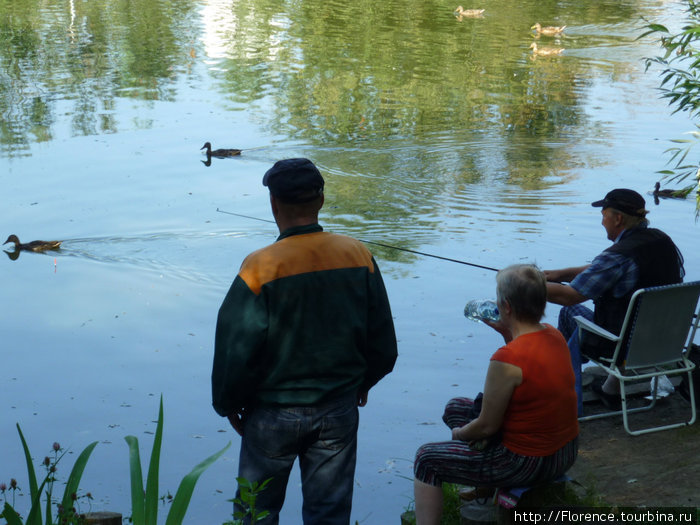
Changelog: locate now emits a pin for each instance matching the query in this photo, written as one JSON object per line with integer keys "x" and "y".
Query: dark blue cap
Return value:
{"x": 294, "y": 180}
{"x": 624, "y": 200}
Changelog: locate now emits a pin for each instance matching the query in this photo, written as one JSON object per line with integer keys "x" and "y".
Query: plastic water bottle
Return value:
{"x": 481, "y": 309}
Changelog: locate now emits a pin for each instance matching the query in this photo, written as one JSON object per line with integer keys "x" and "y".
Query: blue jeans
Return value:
{"x": 569, "y": 329}
{"x": 323, "y": 437}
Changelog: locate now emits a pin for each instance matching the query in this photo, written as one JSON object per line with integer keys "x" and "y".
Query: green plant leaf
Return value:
{"x": 137, "y": 496}
{"x": 49, "y": 521}
{"x": 11, "y": 515}
{"x": 75, "y": 475}
{"x": 264, "y": 484}
{"x": 151, "y": 504}
{"x": 34, "y": 517}
{"x": 658, "y": 27}
{"x": 184, "y": 491}
{"x": 30, "y": 466}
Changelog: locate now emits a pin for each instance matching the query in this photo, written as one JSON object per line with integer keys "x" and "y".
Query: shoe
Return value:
{"x": 476, "y": 493}
{"x": 611, "y": 401}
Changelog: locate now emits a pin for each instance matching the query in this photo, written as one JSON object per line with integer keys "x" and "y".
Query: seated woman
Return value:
{"x": 528, "y": 413}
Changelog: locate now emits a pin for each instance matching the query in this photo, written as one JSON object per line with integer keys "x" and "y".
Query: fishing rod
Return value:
{"x": 425, "y": 254}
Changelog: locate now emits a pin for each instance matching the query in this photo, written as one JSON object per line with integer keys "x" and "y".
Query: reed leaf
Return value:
{"x": 76, "y": 474}
{"x": 10, "y": 515}
{"x": 34, "y": 517}
{"x": 49, "y": 521}
{"x": 184, "y": 491}
{"x": 144, "y": 505}
{"x": 30, "y": 466}
{"x": 151, "y": 502}
{"x": 137, "y": 495}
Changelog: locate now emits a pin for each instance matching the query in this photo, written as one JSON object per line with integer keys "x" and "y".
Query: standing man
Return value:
{"x": 640, "y": 257}
{"x": 303, "y": 334}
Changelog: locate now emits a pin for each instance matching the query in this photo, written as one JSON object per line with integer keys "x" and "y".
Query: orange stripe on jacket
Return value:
{"x": 298, "y": 254}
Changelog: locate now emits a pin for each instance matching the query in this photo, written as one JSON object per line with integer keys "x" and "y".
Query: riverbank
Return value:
{"x": 659, "y": 469}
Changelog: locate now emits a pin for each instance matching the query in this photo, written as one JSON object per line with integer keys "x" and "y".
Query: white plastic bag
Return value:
{"x": 665, "y": 386}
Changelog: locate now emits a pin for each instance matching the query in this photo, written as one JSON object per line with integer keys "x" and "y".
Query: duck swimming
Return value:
{"x": 460, "y": 12}
{"x": 220, "y": 153}
{"x": 672, "y": 194}
{"x": 34, "y": 246}
{"x": 548, "y": 30}
{"x": 545, "y": 51}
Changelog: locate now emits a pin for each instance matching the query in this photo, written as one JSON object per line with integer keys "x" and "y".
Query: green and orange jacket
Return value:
{"x": 306, "y": 319}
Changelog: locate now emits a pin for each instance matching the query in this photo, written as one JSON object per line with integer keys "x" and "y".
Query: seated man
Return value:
{"x": 640, "y": 257}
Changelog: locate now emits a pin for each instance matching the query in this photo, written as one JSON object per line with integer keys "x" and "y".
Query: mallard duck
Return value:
{"x": 672, "y": 194}
{"x": 548, "y": 30}
{"x": 34, "y": 246}
{"x": 460, "y": 12}
{"x": 220, "y": 152}
{"x": 545, "y": 51}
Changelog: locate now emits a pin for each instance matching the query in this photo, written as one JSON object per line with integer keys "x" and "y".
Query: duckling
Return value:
{"x": 672, "y": 194}
{"x": 34, "y": 246}
{"x": 220, "y": 153}
{"x": 460, "y": 12}
{"x": 545, "y": 51}
{"x": 548, "y": 30}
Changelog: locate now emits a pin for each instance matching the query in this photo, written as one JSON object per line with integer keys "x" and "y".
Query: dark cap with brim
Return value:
{"x": 624, "y": 200}
{"x": 294, "y": 180}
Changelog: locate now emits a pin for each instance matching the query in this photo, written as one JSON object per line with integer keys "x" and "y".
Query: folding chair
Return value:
{"x": 656, "y": 334}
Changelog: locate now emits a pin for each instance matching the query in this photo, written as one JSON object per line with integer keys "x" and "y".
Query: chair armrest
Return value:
{"x": 585, "y": 324}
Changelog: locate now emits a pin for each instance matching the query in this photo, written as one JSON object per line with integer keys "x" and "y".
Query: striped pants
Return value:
{"x": 456, "y": 462}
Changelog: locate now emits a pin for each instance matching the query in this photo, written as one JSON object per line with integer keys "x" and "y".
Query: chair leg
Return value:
{"x": 648, "y": 407}
{"x": 623, "y": 399}
{"x": 625, "y": 411}
{"x": 693, "y": 408}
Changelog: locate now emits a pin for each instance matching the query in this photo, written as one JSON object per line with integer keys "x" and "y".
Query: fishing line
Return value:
{"x": 378, "y": 244}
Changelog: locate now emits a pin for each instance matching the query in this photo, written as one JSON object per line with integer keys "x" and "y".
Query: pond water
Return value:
{"x": 434, "y": 134}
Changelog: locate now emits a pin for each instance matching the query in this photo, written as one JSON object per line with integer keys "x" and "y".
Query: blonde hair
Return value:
{"x": 524, "y": 288}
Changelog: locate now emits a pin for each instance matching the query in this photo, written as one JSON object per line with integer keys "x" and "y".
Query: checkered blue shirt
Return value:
{"x": 608, "y": 271}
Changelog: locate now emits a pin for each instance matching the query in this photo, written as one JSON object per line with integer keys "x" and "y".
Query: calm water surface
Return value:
{"x": 434, "y": 134}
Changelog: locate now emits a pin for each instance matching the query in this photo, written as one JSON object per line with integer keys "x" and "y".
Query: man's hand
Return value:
{"x": 553, "y": 276}
{"x": 362, "y": 399}
{"x": 565, "y": 275}
{"x": 563, "y": 294}
{"x": 236, "y": 420}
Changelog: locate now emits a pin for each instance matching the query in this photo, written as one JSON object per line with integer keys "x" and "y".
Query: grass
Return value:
{"x": 572, "y": 495}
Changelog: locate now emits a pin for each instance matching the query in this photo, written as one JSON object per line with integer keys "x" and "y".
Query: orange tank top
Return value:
{"x": 542, "y": 414}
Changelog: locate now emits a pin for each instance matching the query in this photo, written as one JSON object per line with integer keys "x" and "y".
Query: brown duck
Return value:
{"x": 460, "y": 13}
{"x": 548, "y": 30}
{"x": 672, "y": 194}
{"x": 220, "y": 153}
{"x": 34, "y": 246}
